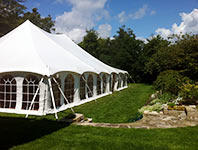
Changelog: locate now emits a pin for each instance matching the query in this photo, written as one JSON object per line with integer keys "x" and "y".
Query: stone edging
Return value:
{"x": 165, "y": 119}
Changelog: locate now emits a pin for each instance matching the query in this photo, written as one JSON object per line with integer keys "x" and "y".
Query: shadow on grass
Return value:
{"x": 16, "y": 131}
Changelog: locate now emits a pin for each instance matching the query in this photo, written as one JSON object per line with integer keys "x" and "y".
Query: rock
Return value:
{"x": 78, "y": 118}
{"x": 192, "y": 113}
{"x": 164, "y": 106}
{"x": 182, "y": 116}
{"x": 89, "y": 119}
{"x": 192, "y": 106}
{"x": 174, "y": 113}
{"x": 151, "y": 112}
{"x": 190, "y": 109}
{"x": 166, "y": 118}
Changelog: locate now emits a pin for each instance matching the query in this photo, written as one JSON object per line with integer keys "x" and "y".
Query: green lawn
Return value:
{"x": 41, "y": 133}
{"x": 116, "y": 108}
{"x": 97, "y": 138}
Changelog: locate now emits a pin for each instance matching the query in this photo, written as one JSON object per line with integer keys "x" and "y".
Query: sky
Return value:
{"x": 144, "y": 17}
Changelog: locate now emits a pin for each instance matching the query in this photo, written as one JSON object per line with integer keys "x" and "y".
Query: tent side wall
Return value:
{"x": 83, "y": 86}
{"x": 17, "y": 90}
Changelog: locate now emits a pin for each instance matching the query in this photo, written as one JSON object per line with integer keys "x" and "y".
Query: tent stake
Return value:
{"x": 34, "y": 97}
{"x": 52, "y": 95}
{"x": 63, "y": 94}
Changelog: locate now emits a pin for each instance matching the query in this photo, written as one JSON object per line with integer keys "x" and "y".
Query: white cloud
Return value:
{"x": 142, "y": 39}
{"x": 140, "y": 13}
{"x": 104, "y": 30}
{"x": 122, "y": 17}
{"x": 153, "y": 12}
{"x": 189, "y": 25}
{"x": 83, "y": 15}
{"x": 163, "y": 32}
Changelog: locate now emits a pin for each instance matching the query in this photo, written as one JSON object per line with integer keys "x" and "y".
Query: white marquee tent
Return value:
{"x": 42, "y": 73}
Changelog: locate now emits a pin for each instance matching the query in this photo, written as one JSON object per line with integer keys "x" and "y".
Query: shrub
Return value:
{"x": 189, "y": 92}
{"x": 170, "y": 81}
{"x": 165, "y": 97}
{"x": 156, "y": 107}
{"x": 155, "y": 101}
{"x": 171, "y": 104}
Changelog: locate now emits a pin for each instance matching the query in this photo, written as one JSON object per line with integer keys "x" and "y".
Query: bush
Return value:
{"x": 170, "y": 81}
{"x": 189, "y": 92}
{"x": 156, "y": 107}
{"x": 155, "y": 101}
{"x": 166, "y": 97}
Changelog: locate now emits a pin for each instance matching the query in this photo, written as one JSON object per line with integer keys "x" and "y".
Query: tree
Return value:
{"x": 150, "y": 48}
{"x": 181, "y": 56}
{"x": 125, "y": 51}
{"x": 189, "y": 56}
{"x": 45, "y": 23}
{"x": 90, "y": 43}
{"x": 105, "y": 52}
{"x": 10, "y": 15}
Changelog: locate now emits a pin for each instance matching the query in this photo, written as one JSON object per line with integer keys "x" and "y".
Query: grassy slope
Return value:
{"x": 116, "y": 108}
{"x": 41, "y": 133}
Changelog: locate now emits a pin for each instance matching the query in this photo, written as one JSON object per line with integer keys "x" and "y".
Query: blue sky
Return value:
{"x": 144, "y": 17}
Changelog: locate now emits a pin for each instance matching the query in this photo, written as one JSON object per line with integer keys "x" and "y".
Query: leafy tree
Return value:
{"x": 125, "y": 51}
{"x": 104, "y": 50}
{"x": 11, "y": 12}
{"x": 150, "y": 48}
{"x": 35, "y": 17}
{"x": 188, "y": 45}
{"x": 181, "y": 56}
{"x": 90, "y": 43}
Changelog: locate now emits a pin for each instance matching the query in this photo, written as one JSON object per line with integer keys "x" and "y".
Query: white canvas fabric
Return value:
{"x": 30, "y": 49}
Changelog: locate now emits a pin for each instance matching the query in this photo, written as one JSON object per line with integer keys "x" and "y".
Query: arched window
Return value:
{"x": 57, "y": 93}
{"x": 98, "y": 85}
{"x": 104, "y": 83}
{"x": 82, "y": 88}
{"x": 90, "y": 85}
{"x": 7, "y": 92}
{"x": 110, "y": 84}
{"x": 125, "y": 80}
{"x": 113, "y": 81}
{"x": 69, "y": 88}
{"x": 30, "y": 85}
{"x": 119, "y": 81}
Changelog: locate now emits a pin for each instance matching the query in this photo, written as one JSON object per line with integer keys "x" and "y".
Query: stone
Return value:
{"x": 89, "y": 119}
{"x": 182, "y": 116}
{"x": 78, "y": 118}
{"x": 173, "y": 112}
{"x": 146, "y": 112}
{"x": 164, "y": 106}
{"x": 192, "y": 106}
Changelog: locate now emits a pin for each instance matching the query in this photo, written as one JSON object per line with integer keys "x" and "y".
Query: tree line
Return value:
{"x": 143, "y": 61}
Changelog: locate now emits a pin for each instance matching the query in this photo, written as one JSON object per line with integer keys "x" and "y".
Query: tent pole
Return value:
{"x": 52, "y": 96}
{"x": 34, "y": 97}
{"x": 88, "y": 86}
{"x": 63, "y": 94}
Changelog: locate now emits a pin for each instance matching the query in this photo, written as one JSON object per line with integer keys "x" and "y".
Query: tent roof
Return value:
{"x": 30, "y": 49}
